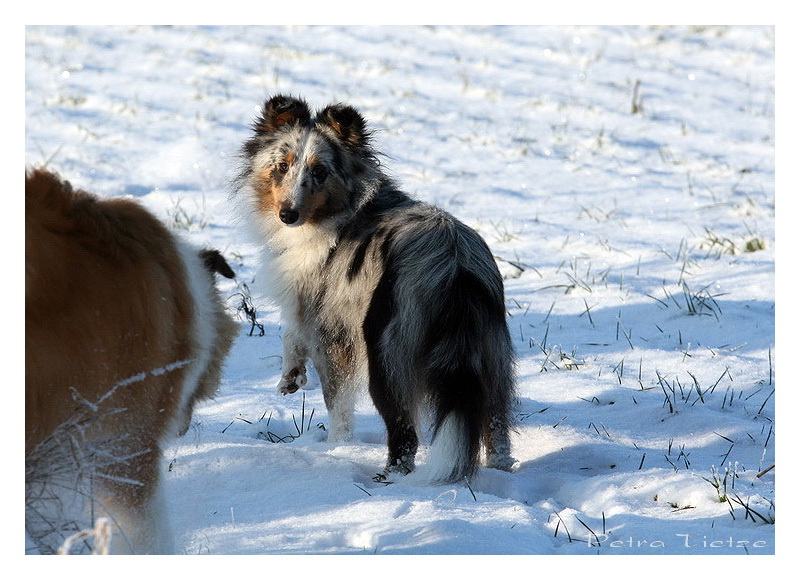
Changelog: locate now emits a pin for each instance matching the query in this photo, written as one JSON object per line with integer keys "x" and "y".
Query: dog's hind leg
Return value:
{"x": 391, "y": 392}
{"x": 400, "y": 427}
{"x": 393, "y": 397}
{"x": 498, "y": 444}
{"x": 499, "y": 395}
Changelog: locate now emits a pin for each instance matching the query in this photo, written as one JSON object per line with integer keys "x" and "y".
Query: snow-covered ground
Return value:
{"x": 623, "y": 176}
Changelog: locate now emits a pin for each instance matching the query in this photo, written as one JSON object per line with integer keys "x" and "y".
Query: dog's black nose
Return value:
{"x": 289, "y": 216}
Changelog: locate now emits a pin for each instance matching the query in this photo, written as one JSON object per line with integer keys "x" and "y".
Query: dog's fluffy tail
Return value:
{"x": 469, "y": 365}
{"x": 454, "y": 451}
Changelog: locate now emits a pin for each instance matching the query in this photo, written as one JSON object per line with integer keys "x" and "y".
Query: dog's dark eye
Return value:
{"x": 283, "y": 167}
{"x": 319, "y": 173}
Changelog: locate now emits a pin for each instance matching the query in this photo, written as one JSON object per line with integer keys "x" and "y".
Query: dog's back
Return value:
{"x": 123, "y": 332}
{"x": 435, "y": 332}
{"x": 91, "y": 269}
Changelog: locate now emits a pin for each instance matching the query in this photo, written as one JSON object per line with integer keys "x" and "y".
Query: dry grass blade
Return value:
{"x": 59, "y": 476}
{"x": 246, "y": 306}
{"x": 100, "y": 536}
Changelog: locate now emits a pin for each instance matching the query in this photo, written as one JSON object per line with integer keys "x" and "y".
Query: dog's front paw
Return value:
{"x": 293, "y": 380}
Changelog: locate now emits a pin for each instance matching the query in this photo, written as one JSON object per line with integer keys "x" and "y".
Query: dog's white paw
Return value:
{"x": 293, "y": 380}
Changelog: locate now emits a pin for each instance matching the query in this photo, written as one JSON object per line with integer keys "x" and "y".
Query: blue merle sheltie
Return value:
{"x": 377, "y": 287}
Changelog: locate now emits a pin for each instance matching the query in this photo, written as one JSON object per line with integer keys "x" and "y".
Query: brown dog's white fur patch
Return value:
{"x": 124, "y": 332}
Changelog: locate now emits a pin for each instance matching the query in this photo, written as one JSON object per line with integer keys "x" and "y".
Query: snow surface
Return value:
{"x": 623, "y": 177}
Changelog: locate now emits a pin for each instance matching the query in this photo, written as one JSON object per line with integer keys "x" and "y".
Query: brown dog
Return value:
{"x": 124, "y": 332}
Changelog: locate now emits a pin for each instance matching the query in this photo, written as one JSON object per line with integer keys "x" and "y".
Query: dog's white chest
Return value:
{"x": 294, "y": 260}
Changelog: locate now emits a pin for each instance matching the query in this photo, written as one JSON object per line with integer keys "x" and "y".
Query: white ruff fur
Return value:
{"x": 292, "y": 255}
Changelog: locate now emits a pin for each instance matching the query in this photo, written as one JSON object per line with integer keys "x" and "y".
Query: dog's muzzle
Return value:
{"x": 289, "y": 216}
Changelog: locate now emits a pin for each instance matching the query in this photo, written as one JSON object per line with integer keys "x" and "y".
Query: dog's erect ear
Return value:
{"x": 280, "y": 111}
{"x": 348, "y": 125}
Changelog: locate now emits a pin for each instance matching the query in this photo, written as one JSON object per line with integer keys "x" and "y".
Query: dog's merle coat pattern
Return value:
{"x": 374, "y": 284}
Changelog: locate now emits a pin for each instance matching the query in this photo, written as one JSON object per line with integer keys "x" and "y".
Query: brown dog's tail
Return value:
{"x": 215, "y": 262}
